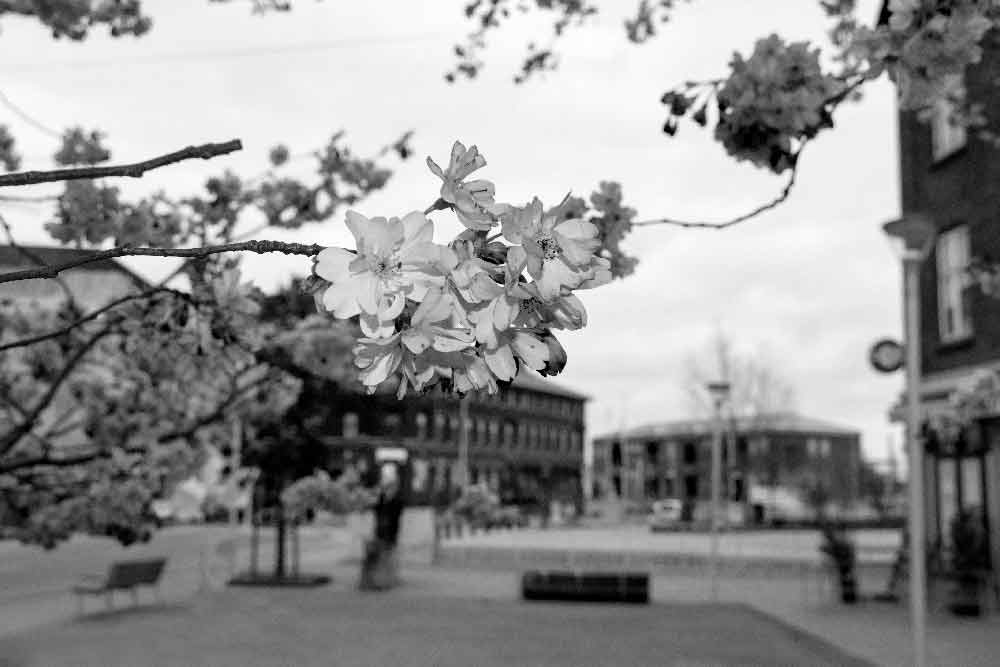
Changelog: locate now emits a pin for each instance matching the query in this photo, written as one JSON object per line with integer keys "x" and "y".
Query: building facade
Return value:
{"x": 525, "y": 443}
{"x": 92, "y": 285}
{"x": 769, "y": 464}
{"x": 953, "y": 177}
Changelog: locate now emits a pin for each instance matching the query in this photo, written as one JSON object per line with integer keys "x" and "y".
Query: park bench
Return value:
{"x": 632, "y": 587}
{"x": 122, "y": 576}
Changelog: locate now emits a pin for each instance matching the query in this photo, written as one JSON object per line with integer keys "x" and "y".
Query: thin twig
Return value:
{"x": 34, "y": 258}
{"x": 27, "y": 118}
{"x": 697, "y": 224}
{"x": 9, "y": 440}
{"x": 136, "y": 170}
{"x": 259, "y": 247}
{"x": 40, "y": 199}
{"x": 24, "y": 342}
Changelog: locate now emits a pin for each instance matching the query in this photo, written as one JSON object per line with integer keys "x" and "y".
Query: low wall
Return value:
{"x": 517, "y": 559}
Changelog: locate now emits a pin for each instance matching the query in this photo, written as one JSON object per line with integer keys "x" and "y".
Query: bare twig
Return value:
{"x": 9, "y": 439}
{"x": 135, "y": 170}
{"x": 29, "y": 119}
{"x": 35, "y": 259}
{"x": 259, "y": 247}
{"x": 24, "y": 342}
{"x": 40, "y": 199}
{"x": 763, "y": 208}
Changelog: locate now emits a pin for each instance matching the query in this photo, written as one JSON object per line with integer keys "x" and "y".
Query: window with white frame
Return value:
{"x": 947, "y": 136}
{"x": 954, "y": 316}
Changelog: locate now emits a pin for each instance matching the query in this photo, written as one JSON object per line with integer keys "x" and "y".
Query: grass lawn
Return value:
{"x": 333, "y": 626}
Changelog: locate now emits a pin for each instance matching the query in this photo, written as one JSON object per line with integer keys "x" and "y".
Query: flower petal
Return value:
{"x": 435, "y": 169}
{"x": 358, "y": 224}
{"x": 369, "y": 291}
{"x": 416, "y": 229}
{"x": 533, "y": 352}
{"x": 341, "y": 298}
{"x": 501, "y": 362}
{"x": 334, "y": 264}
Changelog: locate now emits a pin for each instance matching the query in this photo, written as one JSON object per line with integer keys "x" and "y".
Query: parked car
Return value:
{"x": 666, "y": 515}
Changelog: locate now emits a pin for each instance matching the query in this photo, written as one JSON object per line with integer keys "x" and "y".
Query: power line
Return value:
{"x": 202, "y": 56}
{"x": 27, "y": 118}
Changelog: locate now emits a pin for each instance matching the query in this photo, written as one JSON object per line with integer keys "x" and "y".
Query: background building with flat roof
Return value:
{"x": 771, "y": 464}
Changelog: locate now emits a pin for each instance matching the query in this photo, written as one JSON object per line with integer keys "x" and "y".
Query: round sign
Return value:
{"x": 886, "y": 356}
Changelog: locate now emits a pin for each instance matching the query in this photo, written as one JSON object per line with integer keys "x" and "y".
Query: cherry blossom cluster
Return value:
{"x": 468, "y": 314}
{"x": 768, "y": 106}
{"x": 926, "y": 45}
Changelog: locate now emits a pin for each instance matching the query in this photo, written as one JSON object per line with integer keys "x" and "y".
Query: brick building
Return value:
{"x": 525, "y": 442}
{"x": 764, "y": 458}
{"x": 952, "y": 176}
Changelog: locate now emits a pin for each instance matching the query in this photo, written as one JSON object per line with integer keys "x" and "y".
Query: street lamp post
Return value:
{"x": 719, "y": 392}
{"x": 914, "y": 237}
{"x": 463, "y": 442}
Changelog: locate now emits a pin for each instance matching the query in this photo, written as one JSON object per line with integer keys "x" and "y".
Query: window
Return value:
{"x": 494, "y": 431}
{"x": 440, "y": 423}
{"x": 421, "y": 424}
{"x": 349, "y": 425}
{"x": 690, "y": 452}
{"x": 391, "y": 424}
{"x": 954, "y": 316}
{"x": 946, "y": 135}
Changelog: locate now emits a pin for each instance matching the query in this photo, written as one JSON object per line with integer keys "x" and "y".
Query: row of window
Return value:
{"x": 669, "y": 454}
{"x": 482, "y": 431}
{"x": 524, "y": 400}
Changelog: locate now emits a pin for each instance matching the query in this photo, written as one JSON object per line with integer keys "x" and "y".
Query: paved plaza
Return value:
{"x": 475, "y": 613}
{"x": 335, "y": 626}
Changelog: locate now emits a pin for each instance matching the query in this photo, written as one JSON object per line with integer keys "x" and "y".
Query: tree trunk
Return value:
{"x": 279, "y": 544}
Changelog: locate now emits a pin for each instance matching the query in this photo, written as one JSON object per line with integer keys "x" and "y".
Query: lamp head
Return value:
{"x": 719, "y": 391}
{"x": 913, "y": 235}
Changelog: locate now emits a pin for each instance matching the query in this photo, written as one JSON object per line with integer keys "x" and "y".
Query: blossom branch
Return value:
{"x": 259, "y": 247}
{"x": 135, "y": 170}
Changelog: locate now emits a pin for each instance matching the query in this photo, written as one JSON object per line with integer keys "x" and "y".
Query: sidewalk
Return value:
{"x": 872, "y": 631}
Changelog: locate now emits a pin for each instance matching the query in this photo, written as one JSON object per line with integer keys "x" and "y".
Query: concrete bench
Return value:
{"x": 568, "y": 586}
{"x": 122, "y": 576}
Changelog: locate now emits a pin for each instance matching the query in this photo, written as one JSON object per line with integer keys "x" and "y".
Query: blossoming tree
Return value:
{"x": 460, "y": 315}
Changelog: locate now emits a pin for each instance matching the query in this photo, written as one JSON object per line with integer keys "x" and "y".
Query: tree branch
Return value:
{"x": 135, "y": 170}
{"x": 9, "y": 439}
{"x": 35, "y": 259}
{"x": 24, "y": 342}
{"x": 763, "y": 208}
{"x": 259, "y": 247}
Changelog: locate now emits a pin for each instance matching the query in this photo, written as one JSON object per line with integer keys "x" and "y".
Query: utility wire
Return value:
{"x": 201, "y": 56}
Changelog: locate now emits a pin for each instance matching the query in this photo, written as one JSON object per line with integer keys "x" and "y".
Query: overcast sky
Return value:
{"x": 810, "y": 285}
